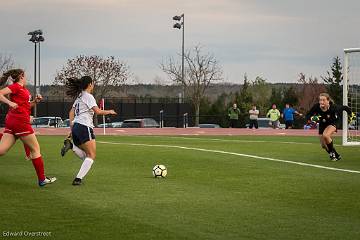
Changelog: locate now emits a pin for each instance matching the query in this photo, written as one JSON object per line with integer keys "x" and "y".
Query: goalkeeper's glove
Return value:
{"x": 351, "y": 117}
{"x": 315, "y": 118}
{"x": 69, "y": 136}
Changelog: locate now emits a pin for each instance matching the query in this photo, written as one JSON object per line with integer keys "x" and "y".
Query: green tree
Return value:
{"x": 277, "y": 97}
{"x": 333, "y": 81}
{"x": 290, "y": 96}
{"x": 261, "y": 93}
{"x": 244, "y": 101}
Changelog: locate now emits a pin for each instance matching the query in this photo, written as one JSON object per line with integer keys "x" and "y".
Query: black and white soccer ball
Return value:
{"x": 159, "y": 171}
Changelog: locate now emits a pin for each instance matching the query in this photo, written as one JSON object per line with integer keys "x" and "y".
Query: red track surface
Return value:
{"x": 186, "y": 131}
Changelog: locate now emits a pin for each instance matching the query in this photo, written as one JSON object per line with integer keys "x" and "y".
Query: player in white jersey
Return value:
{"x": 81, "y": 123}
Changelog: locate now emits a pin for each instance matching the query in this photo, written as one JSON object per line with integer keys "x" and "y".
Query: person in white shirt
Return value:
{"x": 254, "y": 114}
{"x": 81, "y": 123}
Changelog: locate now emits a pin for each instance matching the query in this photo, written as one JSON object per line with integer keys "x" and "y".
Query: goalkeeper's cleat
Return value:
{"x": 334, "y": 157}
{"x": 76, "y": 182}
{"x": 47, "y": 180}
{"x": 67, "y": 146}
{"x": 351, "y": 117}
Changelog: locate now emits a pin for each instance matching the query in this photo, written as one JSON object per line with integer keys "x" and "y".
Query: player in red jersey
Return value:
{"x": 26, "y": 148}
{"x": 17, "y": 122}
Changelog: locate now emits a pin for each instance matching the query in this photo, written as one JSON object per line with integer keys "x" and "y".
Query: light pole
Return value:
{"x": 181, "y": 24}
{"x": 41, "y": 39}
{"x": 36, "y": 38}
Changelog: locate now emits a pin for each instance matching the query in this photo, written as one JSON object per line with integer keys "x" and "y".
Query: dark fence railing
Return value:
{"x": 126, "y": 108}
{"x": 173, "y": 110}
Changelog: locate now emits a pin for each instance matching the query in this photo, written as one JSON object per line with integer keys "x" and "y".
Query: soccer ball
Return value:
{"x": 159, "y": 171}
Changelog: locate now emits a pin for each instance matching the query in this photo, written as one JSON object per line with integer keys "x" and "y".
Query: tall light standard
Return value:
{"x": 181, "y": 24}
{"x": 36, "y": 38}
{"x": 41, "y": 39}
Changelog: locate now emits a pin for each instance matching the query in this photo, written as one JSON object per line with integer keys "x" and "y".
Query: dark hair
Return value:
{"x": 75, "y": 85}
{"x": 15, "y": 74}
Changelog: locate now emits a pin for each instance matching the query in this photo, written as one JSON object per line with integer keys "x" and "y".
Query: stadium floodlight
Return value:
{"x": 36, "y": 32}
{"x": 36, "y": 38}
{"x": 177, "y": 25}
{"x": 177, "y": 18}
{"x": 351, "y": 96}
{"x": 180, "y": 25}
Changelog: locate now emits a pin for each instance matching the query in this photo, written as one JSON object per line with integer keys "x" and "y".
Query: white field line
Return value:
{"x": 238, "y": 140}
{"x": 231, "y": 140}
{"x": 233, "y": 153}
{"x": 241, "y": 141}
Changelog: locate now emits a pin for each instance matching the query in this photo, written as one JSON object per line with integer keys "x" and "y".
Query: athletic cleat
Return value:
{"x": 334, "y": 157}
{"x": 338, "y": 156}
{"x": 47, "y": 180}
{"x": 67, "y": 146}
{"x": 76, "y": 182}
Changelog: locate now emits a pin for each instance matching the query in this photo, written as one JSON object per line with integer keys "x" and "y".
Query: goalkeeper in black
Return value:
{"x": 328, "y": 115}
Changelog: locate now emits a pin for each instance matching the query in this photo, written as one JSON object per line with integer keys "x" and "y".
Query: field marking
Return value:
{"x": 233, "y": 153}
{"x": 232, "y": 140}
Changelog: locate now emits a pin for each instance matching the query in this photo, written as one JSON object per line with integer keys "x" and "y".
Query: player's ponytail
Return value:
{"x": 12, "y": 75}
{"x": 75, "y": 85}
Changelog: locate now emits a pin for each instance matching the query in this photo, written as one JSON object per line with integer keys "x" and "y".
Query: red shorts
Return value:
{"x": 18, "y": 128}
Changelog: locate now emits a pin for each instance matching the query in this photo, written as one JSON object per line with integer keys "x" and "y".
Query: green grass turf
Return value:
{"x": 205, "y": 196}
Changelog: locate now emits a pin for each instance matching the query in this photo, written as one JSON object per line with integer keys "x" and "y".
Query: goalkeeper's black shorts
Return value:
{"x": 323, "y": 126}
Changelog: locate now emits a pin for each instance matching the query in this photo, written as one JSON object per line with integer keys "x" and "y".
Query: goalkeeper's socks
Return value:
{"x": 85, "y": 168}
{"x": 330, "y": 147}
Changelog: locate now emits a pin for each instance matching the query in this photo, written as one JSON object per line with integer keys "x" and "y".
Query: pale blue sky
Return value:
{"x": 275, "y": 39}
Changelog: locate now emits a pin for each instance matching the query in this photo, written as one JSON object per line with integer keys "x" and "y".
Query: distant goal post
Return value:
{"x": 351, "y": 96}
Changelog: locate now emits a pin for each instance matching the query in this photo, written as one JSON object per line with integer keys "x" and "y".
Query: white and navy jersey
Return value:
{"x": 83, "y": 109}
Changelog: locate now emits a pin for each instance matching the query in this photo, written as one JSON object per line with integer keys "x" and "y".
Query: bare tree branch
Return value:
{"x": 106, "y": 72}
{"x": 201, "y": 70}
{"x": 6, "y": 63}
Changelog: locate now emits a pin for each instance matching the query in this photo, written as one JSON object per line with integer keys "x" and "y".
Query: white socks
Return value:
{"x": 78, "y": 152}
{"x": 85, "y": 167}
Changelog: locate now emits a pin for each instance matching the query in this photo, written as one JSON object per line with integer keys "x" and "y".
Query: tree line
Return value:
{"x": 202, "y": 71}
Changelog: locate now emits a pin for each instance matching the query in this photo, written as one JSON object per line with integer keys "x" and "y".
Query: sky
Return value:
{"x": 273, "y": 39}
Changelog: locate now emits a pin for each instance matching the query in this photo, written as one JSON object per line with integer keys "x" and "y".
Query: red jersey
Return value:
{"x": 21, "y": 96}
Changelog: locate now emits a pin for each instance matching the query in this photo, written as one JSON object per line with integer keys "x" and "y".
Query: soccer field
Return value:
{"x": 216, "y": 188}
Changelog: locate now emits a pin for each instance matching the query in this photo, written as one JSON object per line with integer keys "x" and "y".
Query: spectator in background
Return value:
{"x": 233, "y": 114}
{"x": 274, "y": 115}
{"x": 254, "y": 114}
{"x": 288, "y": 115}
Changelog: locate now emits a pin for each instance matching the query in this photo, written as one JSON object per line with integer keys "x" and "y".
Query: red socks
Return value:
{"x": 39, "y": 168}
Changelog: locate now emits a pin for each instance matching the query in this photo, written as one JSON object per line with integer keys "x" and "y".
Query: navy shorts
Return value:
{"x": 81, "y": 134}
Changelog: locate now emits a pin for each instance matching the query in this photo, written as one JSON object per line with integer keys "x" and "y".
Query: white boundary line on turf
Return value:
{"x": 236, "y": 140}
{"x": 230, "y": 140}
{"x": 235, "y": 154}
{"x": 242, "y": 141}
